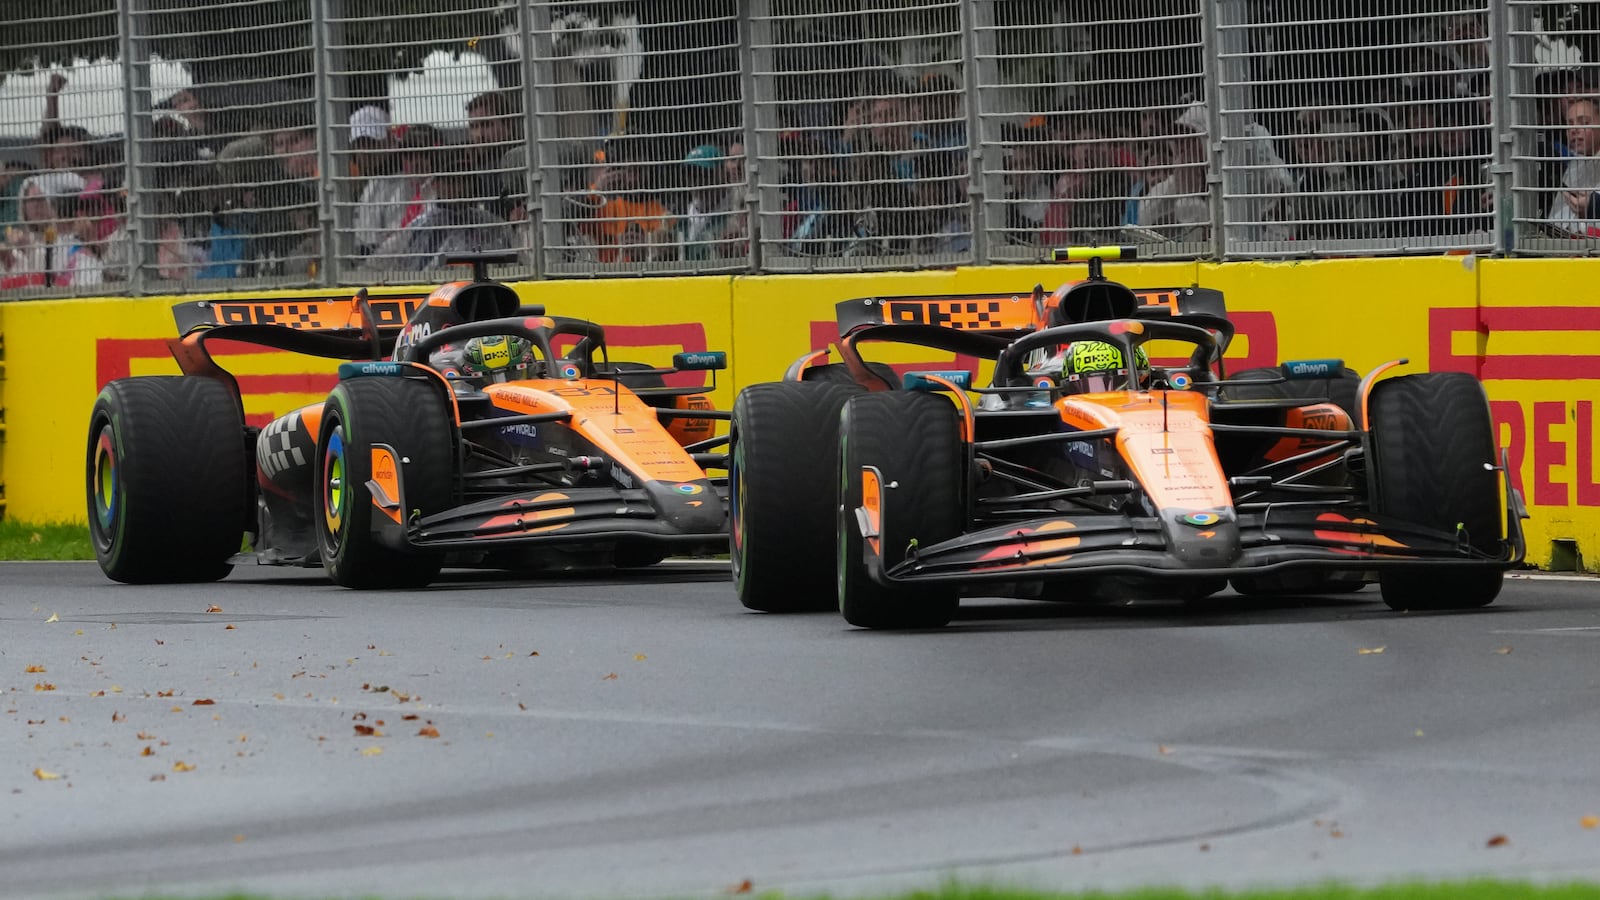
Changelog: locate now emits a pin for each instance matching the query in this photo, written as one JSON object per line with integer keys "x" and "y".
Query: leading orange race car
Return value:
{"x": 1085, "y": 472}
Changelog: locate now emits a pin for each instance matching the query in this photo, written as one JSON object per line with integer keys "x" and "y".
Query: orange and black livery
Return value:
{"x": 466, "y": 429}
{"x": 1112, "y": 456}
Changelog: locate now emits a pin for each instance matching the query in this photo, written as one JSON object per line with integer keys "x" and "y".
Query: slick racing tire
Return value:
{"x": 1343, "y": 389}
{"x": 168, "y": 487}
{"x": 839, "y": 373}
{"x": 782, "y": 462}
{"x": 913, "y": 439}
{"x": 1434, "y": 464}
{"x": 411, "y": 417}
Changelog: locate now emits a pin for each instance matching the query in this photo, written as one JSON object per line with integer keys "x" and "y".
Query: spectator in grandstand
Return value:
{"x": 296, "y": 149}
{"x": 811, "y": 223}
{"x": 1179, "y": 207}
{"x": 1328, "y": 205}
{"x": 91, "y": 258}
{"x": 1090, "y": 195}
{"x": 1575, "y": 209}
{"x": 621, "y": 219}
{"x": 1030, "y": 185}
{"x": 1443, "y": 181}
{"x": 450, "y": 224}
{"x": 34, "y": 252}
{"x": 494, "y": 131}
{"x": 384, "y": 192}
{"x": 884, "y": 169}
{"x": 713, "y": 225}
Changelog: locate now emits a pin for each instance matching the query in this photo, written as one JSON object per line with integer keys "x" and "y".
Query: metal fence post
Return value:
{"x": 322, "y": 74}
{"x": 1500, "y": 167}
{"x": 1211, "y": 17}
{"x": 533, "y": 174}
{"x": 983, "y": 157}
{"x": 762, "y": 125}
{"x": 540, "y": 50}
{"x": 136, "y": 113}
{"x": 755, "y": 223}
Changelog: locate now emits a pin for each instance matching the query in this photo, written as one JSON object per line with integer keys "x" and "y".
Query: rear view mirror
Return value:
{"x": 1312, "y": 368}
{"x": 923, "y": 381}
{"x": 700, "y": 361}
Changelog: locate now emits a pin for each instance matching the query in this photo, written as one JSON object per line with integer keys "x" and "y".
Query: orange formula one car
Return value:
{"x": 469, "y": 431}
{"x": 1085, "y": 471}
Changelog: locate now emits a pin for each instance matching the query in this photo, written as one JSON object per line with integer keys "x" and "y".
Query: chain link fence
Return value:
{"x": 171, "y": 146}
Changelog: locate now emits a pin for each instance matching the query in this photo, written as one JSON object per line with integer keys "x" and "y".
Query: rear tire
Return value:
{"x": 782, "y": 461}
{"x": 839, "y": 373}
{"x": 411, "y": 416}
{"x": 1433, "y": 450}
{"x": 1344, "y": 389}
{"x": 167, "y": 479}
{"x": 914, "y": 441}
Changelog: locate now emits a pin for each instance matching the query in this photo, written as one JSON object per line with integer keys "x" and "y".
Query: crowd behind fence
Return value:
{"x": 168, "y": 146}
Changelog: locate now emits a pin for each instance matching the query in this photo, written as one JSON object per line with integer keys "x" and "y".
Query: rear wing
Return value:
{"x": 327, "y": 314}
{"x": 1010, "y": 315}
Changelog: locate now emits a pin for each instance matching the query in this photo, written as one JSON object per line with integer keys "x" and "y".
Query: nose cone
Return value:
{"x": 1202, "y": 538}
{"x": 691, "y": 507}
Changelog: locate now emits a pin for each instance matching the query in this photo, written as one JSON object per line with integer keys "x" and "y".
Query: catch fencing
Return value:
{"x": 161, "y": 146}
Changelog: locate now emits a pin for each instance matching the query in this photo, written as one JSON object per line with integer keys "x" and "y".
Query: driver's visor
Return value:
{"x": 1096, "y": 382}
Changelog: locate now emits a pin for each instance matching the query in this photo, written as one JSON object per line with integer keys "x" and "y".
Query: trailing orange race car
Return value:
{"x": 472, "y": 431}
{"x": 1087, "y": 470}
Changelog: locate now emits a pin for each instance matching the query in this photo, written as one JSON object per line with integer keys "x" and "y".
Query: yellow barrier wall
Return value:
{"x": 1524, "y": 326}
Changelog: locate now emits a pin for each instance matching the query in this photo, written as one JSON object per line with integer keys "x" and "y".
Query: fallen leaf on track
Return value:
{"x": 743, "y": 887}
{"x": 204, "y": 702}
{"x": 428, "y": 731}
{"x": 639, "y": 657}
{"x": 1503, "y": 651}
{"x": 1498, "y": 840}
{"x": 148, "y": 751}
{"x": 372, "y": 750}
{"x": 181, "y": 766}
{"x": 228, "y": 628}
{"x": 368, "y": 731}
{"x": 53, "y": 618}
{"x": 1590, "y": 822}
{"x": 611, "y": 677}
{"x": 32, "y": 669}
{"x": 42, "y": 775}
{"x": 1367, "y": 651}
{"x": 43, "y": 686}
{"x": 116, "y": 716}
{"x": 213, "y": 608}
{"x": 412, "y": 717}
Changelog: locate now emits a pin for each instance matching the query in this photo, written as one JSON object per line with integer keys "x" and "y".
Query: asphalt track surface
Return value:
{"x": 644, "y": 736}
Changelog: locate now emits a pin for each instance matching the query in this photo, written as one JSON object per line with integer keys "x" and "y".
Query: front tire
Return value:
{"x": 914, "y": 441}
{"x": 1434, "y": 464}
{"x": 167, "y": 479}
{"x": 782, "y": 461}
{"x": 411, "y": 416}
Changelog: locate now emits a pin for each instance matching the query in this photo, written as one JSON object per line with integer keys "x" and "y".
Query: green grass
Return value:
{"x": 1467, "y": 890}
{"x": 56, "y": 540}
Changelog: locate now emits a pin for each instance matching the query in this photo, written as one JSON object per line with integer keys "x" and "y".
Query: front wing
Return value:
{"x": 557, "y": 515}
{"x": 1281, "y": 539}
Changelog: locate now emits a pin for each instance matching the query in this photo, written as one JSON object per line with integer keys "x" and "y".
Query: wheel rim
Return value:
{"x": 334, "y": 492}
{"x": 107, "y": 488}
